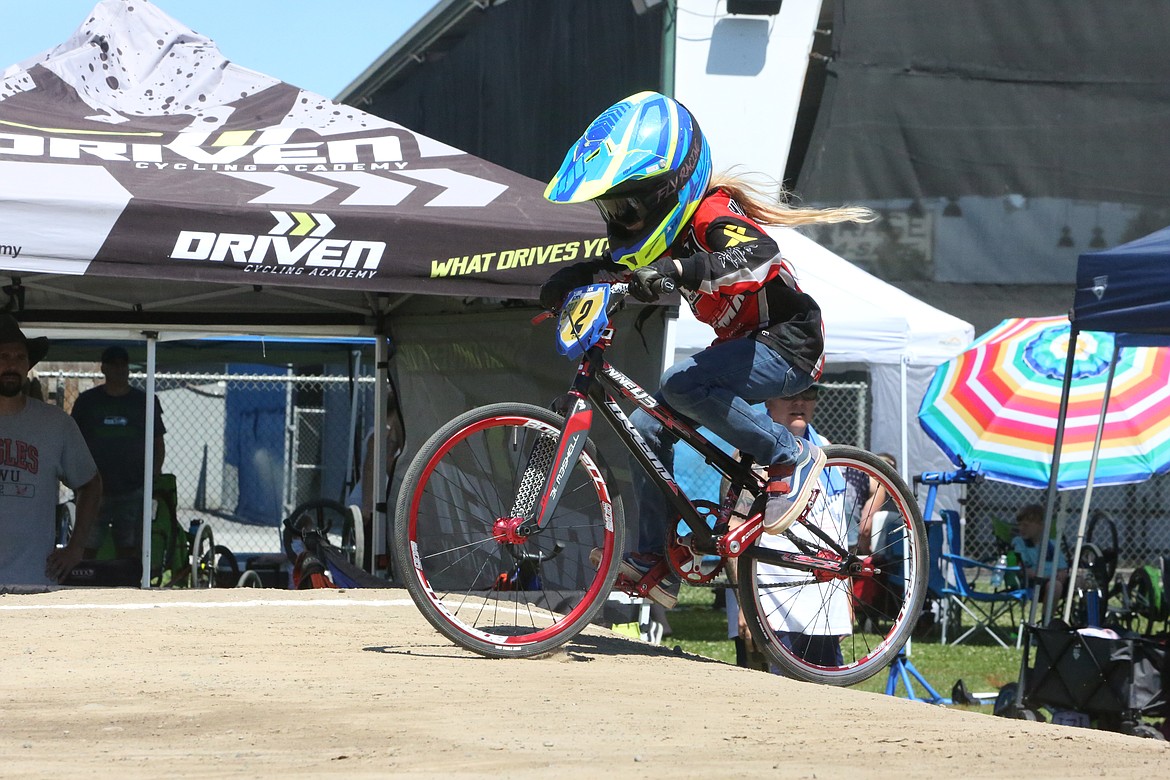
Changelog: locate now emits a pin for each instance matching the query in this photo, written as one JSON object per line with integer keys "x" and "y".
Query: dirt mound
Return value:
{"x": 261, "y": 683}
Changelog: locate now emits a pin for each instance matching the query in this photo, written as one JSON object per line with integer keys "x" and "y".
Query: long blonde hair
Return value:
{"x": 766, "y": 210}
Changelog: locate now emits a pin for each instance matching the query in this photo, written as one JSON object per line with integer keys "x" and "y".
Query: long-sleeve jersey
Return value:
{"x": 736, "y": 281}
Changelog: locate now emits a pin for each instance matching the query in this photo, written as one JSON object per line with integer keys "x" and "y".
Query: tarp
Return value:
{"x": 933, "y": 100}
{"x": 867, "y": 321}
{"x": 135, "y": 151}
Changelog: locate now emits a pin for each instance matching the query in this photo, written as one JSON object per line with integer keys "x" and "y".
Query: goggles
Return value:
{"x": 629, "y": 212}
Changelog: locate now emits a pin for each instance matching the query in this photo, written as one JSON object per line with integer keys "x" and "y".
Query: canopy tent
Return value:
{"x": 900, "y": 338}
{"x": 134, "y": 150}
{"x": 1124, "y": 290}
{"x": 152, "y": 187}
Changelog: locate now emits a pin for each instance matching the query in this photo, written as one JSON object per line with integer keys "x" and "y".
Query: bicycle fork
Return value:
{"x": 543, "y": 479}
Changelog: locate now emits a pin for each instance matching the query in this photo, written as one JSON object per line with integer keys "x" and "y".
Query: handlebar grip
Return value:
{"x": 663, "y": 285}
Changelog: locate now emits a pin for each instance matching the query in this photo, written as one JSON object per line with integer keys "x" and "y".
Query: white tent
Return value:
{"x": 898, "y": 337}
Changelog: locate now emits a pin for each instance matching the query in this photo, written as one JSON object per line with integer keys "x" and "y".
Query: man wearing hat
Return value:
{"x": 40, "y": 445}
{"x": 112, "y": 418}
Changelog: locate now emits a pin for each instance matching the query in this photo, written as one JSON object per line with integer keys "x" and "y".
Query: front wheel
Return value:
{"x": 496, "y": 597}
{"x": 846, "y": 627}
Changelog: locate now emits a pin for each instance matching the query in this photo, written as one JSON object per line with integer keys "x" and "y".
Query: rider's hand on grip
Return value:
{"x": 563, "y": 282}
{"x": 647, "y": 284}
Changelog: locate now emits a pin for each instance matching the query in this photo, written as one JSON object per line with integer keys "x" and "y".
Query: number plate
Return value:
{"x": 583, "y": 318}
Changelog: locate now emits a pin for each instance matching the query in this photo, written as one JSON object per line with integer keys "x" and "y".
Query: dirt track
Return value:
{"x": 261, "y": 683}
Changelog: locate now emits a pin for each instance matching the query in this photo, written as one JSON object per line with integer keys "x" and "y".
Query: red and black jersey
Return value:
{"x": 736, "y": 281}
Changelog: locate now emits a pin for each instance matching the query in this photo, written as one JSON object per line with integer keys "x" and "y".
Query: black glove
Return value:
{"x": 563, "y": 282}
{"x": 650, "y": 282}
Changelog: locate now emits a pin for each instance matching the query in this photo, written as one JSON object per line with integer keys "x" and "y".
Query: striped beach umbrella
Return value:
{"x": 996, "y": 405}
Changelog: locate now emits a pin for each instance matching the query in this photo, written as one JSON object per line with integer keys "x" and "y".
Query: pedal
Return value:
{"x": 641, "y": 588}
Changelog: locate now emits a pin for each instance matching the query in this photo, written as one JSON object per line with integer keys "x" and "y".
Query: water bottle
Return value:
{"x": 997, "y": 573}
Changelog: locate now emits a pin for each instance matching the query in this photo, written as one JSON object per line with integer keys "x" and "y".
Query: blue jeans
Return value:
{"x": 715, "y": 389}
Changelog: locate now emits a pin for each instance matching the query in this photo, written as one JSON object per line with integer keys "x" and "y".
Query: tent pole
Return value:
{"x": 1054, "y": 471}
{"x": 352, "y": 479}
{"x": 1053, "y": 474}
{"x": 905, "y": 422}
{"x": 1076, "y": 561}
{"x": 148, "y": 466}
{"x": 1058, "y": 533}
{"x": 377, "y": 540}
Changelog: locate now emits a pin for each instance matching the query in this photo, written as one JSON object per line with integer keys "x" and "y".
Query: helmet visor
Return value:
{"x": 627, "y": 212}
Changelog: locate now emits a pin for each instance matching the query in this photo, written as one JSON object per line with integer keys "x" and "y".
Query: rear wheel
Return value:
{"x": 846, "y": 627}
{"x": 492, "y": 596}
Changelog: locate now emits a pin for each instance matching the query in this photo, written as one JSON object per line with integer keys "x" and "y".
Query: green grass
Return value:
{"x": 700, "y": 629}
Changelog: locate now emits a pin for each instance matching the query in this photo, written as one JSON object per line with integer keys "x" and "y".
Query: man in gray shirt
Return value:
{"x": 40, "y": 445}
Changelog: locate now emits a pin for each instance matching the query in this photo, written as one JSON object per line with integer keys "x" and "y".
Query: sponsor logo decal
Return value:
{"x": 630, "y": 387}
{"x": 518, "y": 258}
{"x": 296, "y": 245}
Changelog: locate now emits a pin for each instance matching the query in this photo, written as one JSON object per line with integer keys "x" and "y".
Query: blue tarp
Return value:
{"x": 254, "y": 444}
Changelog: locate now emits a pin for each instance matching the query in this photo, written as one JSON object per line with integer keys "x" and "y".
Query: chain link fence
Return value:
{"x": 1140, "y": 513}
{"x": 246, "y": 448}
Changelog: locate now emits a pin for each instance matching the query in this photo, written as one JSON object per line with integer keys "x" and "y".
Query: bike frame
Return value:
{"x": 596, "y": 386}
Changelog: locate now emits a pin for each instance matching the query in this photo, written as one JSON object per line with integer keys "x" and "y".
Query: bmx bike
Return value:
{"x": 509, "y": 532}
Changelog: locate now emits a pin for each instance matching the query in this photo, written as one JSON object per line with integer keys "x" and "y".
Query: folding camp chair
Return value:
{"x": 986, "y": 608}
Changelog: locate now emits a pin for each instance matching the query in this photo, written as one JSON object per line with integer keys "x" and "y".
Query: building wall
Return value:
{"x": 527, "y": 77}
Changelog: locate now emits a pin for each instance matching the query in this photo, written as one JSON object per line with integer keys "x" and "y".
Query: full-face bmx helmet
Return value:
{"x": 646, "y": 165}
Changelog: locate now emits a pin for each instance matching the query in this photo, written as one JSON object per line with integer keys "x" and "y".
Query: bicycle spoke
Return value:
{"x": 840, "y": 624}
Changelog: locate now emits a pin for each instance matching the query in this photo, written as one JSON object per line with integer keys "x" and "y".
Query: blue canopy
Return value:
{"x": 1126, "y": 290}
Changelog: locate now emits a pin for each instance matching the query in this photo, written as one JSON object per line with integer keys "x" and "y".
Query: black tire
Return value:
{"x": 227, "y": 568}
{"x": 203, "y": 557}
{"x": 1005, "y": 702}
{"x": 1102, "y": 533}
{"x": 496, "y": 598}
{"x": 870, "y": 615}
{"x": 1146, "y": 597}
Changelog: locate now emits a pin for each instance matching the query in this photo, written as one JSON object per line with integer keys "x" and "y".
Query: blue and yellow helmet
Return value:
{"x": 646, "y": 165}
